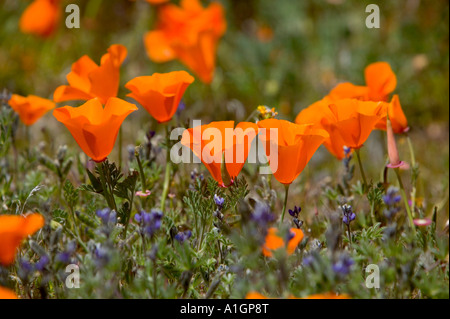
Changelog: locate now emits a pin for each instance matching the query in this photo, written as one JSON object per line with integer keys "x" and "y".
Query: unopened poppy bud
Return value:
{"x": 394, "y": 158}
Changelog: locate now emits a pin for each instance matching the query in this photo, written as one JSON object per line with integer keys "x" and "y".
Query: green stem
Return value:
{"x": 141, "y": 171}
{"x": 155, "y": 277}
{"x": 349, "y": 234}
{"x": 413, "y": 175}
{"x": 363, "y": 175}
{"x": 168, "y": 173}
{"x": 372, "y": 212}
{"x": 105, "y": 187}
{"x": 286, "y": 189}
{"x": 405, "y": 199}
{"x": 120, "y": 147}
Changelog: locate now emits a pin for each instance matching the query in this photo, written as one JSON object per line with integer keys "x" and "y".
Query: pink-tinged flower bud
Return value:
{"x": 394, "y": 159}
{"x": 422, "y": 222}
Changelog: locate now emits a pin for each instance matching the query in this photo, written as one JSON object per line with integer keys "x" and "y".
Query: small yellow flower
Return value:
{"x": 266, "y": 113}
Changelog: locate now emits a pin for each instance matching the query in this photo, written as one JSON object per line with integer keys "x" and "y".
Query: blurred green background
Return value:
{"x": 285, "y": 54}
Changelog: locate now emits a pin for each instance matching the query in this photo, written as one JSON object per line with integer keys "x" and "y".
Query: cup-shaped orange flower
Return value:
{"x": 222, "y": 148}
{"x": 13, "y": 230}
{"x": 160, "y": 93}
{"x": 349, "y": 122}
{"x": 93, "y": 127}
{"x": 6, "y": 293}
{"x": 30, "y": 108}
{"x": 40, "y": 18}
{"x": 189, "y": 33}
{"x": 273, "y": 241}
{"x": 87, "y": 80}
{"x": 293, "y": 144}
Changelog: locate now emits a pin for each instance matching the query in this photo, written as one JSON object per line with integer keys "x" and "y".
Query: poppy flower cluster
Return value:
{"x": 349, "y": 113}
{"x": 189, "y": 33}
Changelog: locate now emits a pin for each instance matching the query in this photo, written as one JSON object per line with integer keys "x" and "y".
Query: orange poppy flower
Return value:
{"x": 349, "y": 122}
{"x": 380, "y": 82}
{"x": 255, "y": 295}
{"x": 13, "y": 230}
{"x": 88, "y": 80}
{"x": 40, "y": 18}
{"x": 295, "y": 145}
{"x": 159, "y": 93}
{"x": 274, "y": 242}
{"x": 189, "y": 33}
{"x": 327, "y": 295}
{"x": 157, "y": 1}
{"x": 30, "y": 108}
{"x": 396, "y": 115}
{"x": 93, "y": 127}
{"x": 7, "y": 294}
{"x": 220, "y": 141}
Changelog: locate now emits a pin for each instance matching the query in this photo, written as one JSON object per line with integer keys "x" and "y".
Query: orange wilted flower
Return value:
{"x": 7, "y": 294}
{"x": 40, "y": 18}
{"x": 349, "y": 122}
{"x": 160, "y": 93}
{"x": 189, "y": 33}
{"x": 93, "y": 127}
{"x": 30, "y": 108}
{"x": 274, "y": 242}
{"x": 222, "y": 148}
{"x": 88, "y": 80}
{"x": 13, "y": 230}
{"x": 295, "y": 145}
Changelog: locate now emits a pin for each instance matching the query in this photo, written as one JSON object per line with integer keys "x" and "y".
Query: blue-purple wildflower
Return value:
{"x": 348, "y": 213}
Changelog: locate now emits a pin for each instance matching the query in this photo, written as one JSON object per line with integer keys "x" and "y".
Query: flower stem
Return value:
{"x": 141, "y": 170}
{"x": 106, "y": 193}
{"x": 349, "y": 233}
{"x": 286, "y": 189}
{"x": 165, "y": 191}
{"x": 413, "y": 175}
{"x": 120, "y": 147}
{"x": 363, "y": 175}
{"x": 405, "y": 199}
